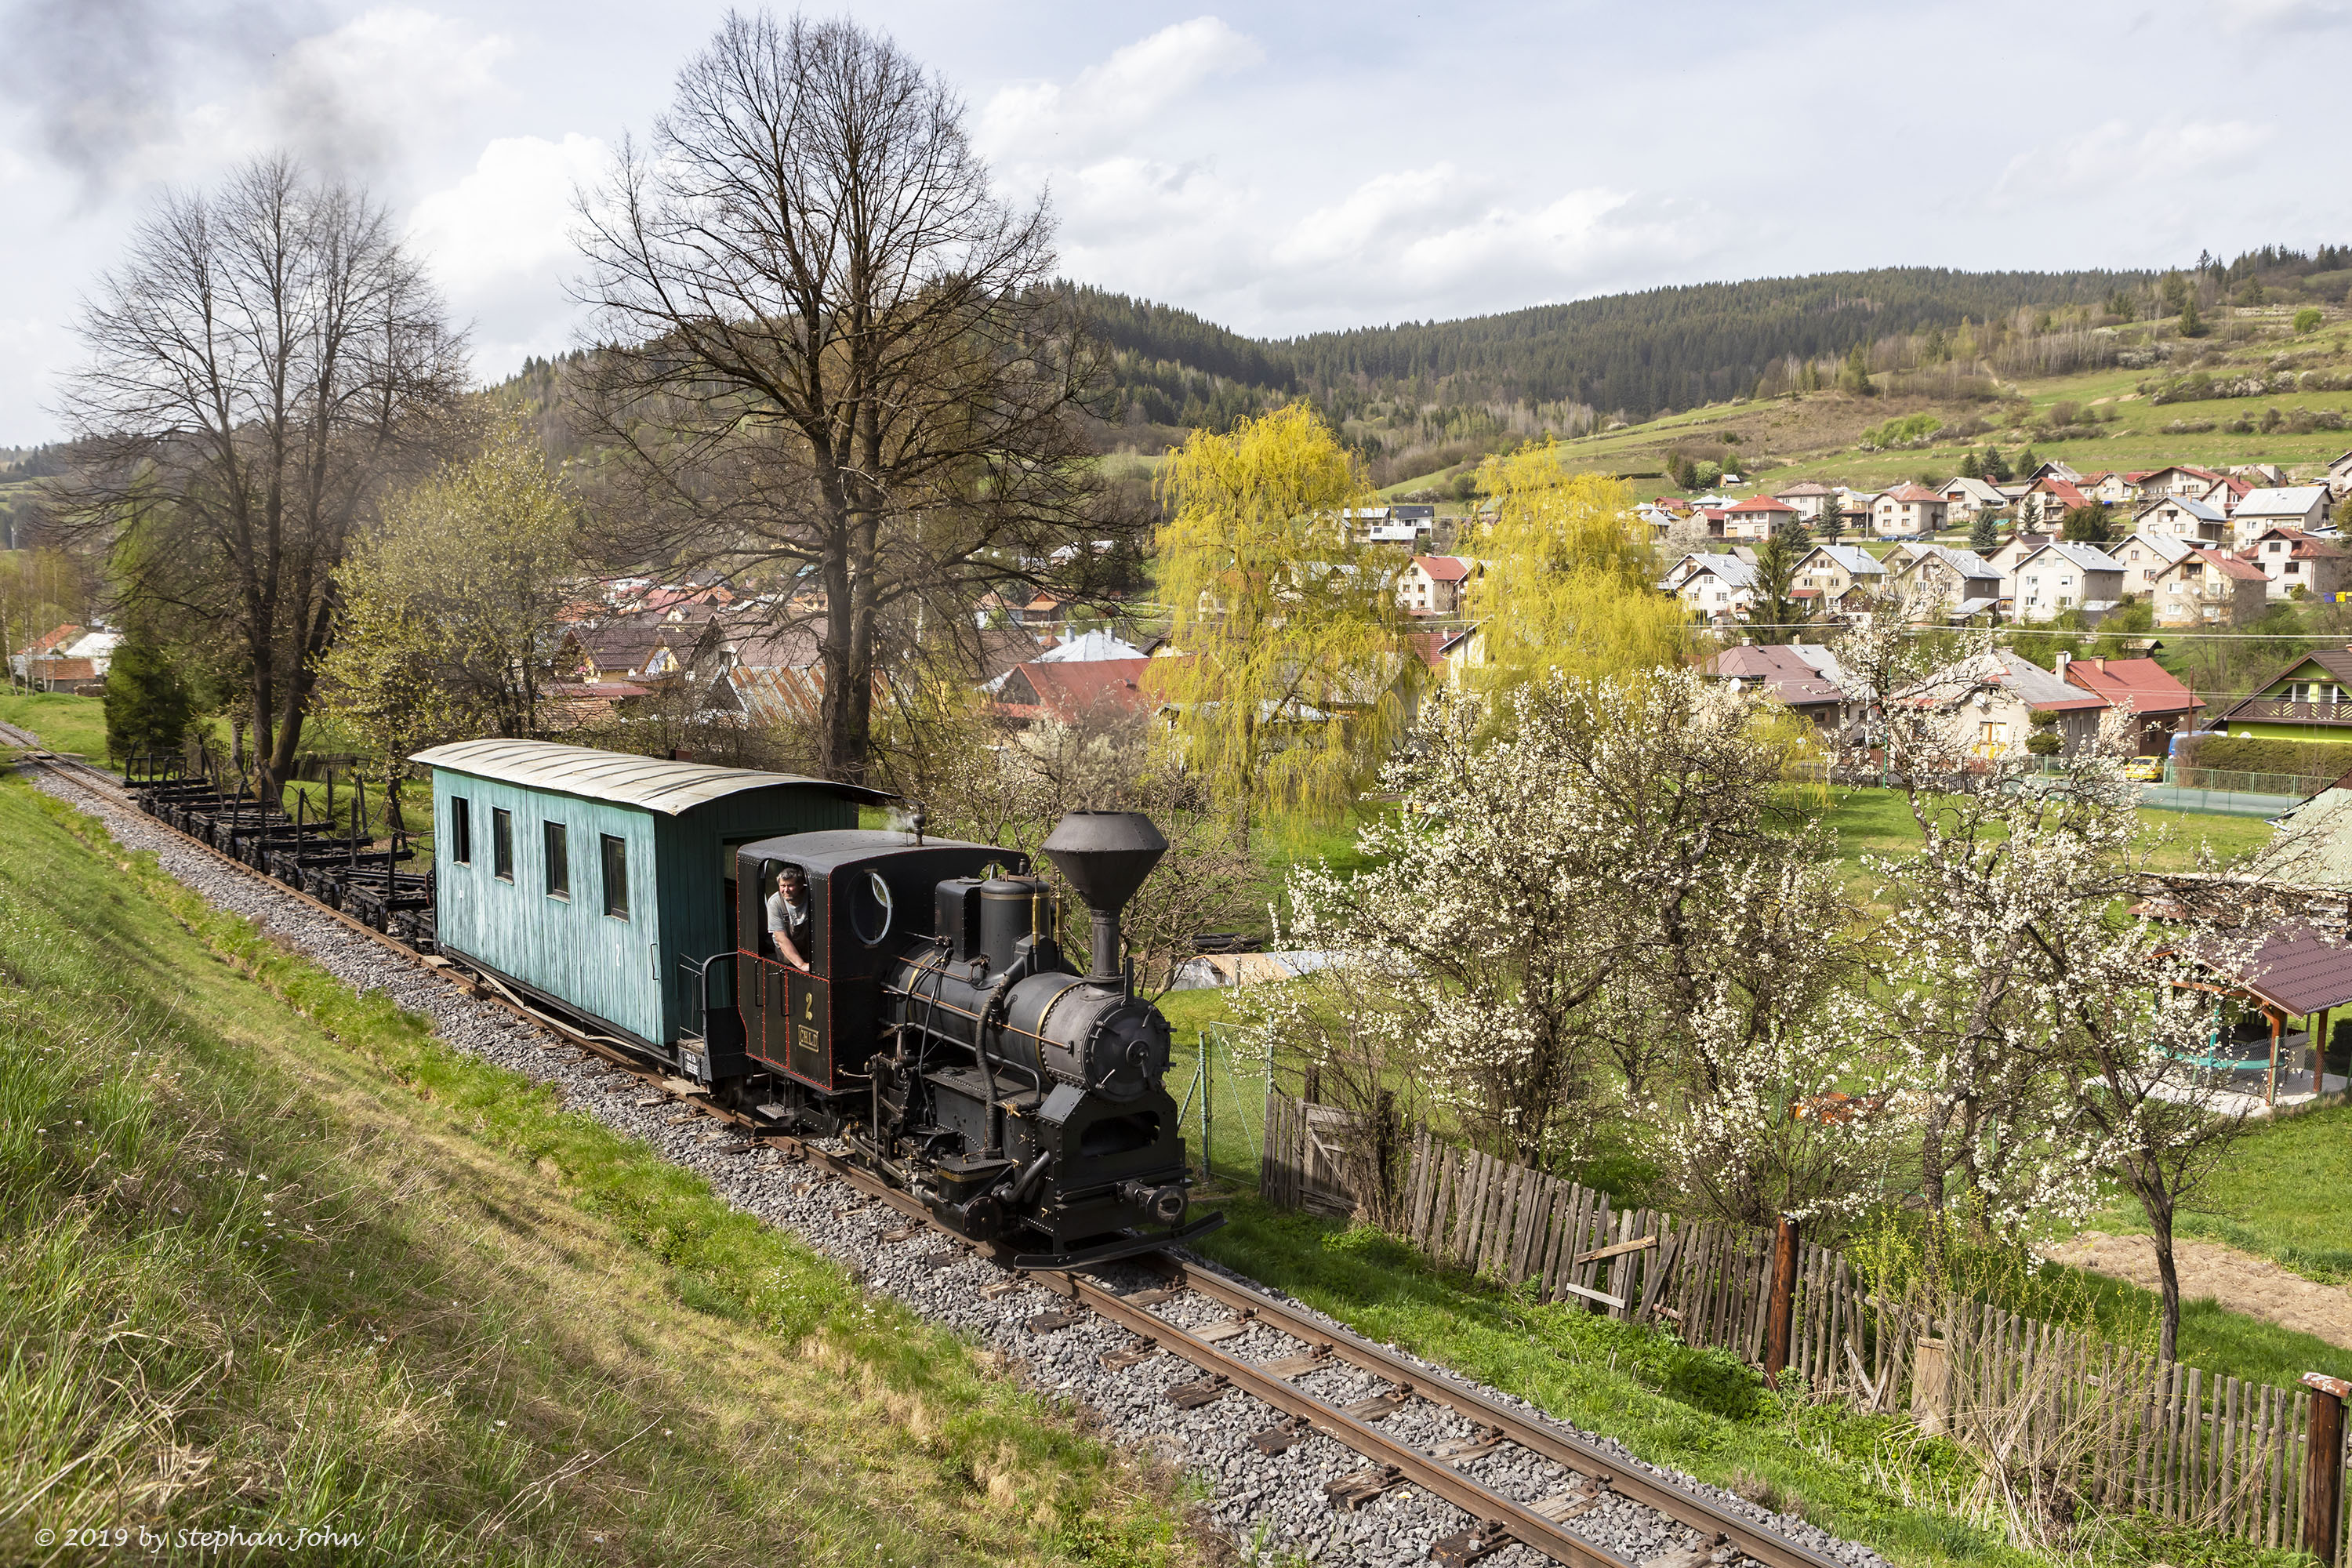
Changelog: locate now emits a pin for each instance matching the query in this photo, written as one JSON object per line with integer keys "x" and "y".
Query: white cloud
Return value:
{"x": 511, "y": 217}
{"x": 2282, "y": 15}
{"x": 349, "y": 97}
{"x": 1105, "y": 103}
{"x": 2111, "y": 154}
{"x": 499, "y": 242}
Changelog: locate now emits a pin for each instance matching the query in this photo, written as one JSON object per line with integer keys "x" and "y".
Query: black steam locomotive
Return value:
{"x": 939, "y": 1030}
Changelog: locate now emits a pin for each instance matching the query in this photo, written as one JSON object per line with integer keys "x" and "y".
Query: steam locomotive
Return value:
{"x": 932, "y": 1022}
{"x": 952, "y": 1045}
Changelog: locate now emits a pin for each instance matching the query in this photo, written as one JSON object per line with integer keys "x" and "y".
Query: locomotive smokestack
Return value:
{"x": 1106, "y": 855}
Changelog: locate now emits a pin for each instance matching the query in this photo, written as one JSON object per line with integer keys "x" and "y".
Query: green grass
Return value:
{"x": 272, "y": 1257}
{"x": 2286, "y": 1193}
{"x": 64, "y": 723}
{"x": 1878, "y": 822}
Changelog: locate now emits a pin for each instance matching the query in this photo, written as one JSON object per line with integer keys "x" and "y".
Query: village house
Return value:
{"x": 66, "y": 658}
{"x": 2300, "y": 507}
{"x": 1076, "y": 691}
{"x": 2340, "y": 475}
{"x": 2178, "y": 479}
{"x": 2046, "y": 502}
{"x": 2292, "y": 560}
{"x": 1964, "y": 497}
{"x": 1757, "y": 516}
{"x": 2054, "y": 469}
{"x": 1833, "y": 571}
{"x": 1997, "y": 719}
{"x": 2144, "y": 555}
{"x": 1433, "y": 585}
{"x": 1783, "y": 674}
{"x": 2161, "y": 705}
{"x": 2310, "y": 699}
{"x": 2228, "y": 491}
{"x": 1810, "y": 498}
{"x": 2060, "y": 576}
{"x": 2111, "y": 489}
{"x": 1400, "y": 524}
{"x": 2184, "y": 517}
{"x": 1947, "y": 583}
{"x": 1720, "y": 589}
{"x": 2209, "y": 588}
{"x": 1906, "y": 510}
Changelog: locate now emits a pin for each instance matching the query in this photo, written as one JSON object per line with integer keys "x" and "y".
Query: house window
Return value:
{"x": 2294, "y": 566}
{"x": 461, "y": 830}
{"x": 502, "y": 843}
{"x": 615, "y": 858}
{"x": 555, "y": 849}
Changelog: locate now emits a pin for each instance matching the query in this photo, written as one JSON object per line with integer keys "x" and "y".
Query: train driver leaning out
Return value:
{"x": 788, "y": 917}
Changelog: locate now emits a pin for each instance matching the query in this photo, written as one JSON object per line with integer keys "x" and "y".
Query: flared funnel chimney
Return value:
{"x": 1106, "y": 855}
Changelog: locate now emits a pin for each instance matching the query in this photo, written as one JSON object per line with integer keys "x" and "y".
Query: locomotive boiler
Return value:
{"x": 938, "y": 1029}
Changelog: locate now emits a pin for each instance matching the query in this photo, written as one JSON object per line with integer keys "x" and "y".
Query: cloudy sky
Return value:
{"x": 1280, "y": 167}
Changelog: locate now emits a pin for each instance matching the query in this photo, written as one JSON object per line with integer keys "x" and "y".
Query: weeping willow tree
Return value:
{"x": 1568, "y": 582}
{"x": 1297, "y": 670}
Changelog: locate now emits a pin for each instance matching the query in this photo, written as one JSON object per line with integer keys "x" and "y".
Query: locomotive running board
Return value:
{"x": 1128, "y": 1246}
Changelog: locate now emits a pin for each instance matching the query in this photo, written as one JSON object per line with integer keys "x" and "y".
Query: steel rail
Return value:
{"x": 1499, "y": 1520}
{"x": 1494, "y": 1514}
{"x": 1580, "y": 1454}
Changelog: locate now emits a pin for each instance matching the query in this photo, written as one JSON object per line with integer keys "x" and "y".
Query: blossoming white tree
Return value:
{"x": 1590, "y": 899}
{"x": 2047, "y": 1033}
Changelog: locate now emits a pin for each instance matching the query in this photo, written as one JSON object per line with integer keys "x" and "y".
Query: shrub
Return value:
{"x": 2307, "y": 320}
{"x": 2250, "y": 754}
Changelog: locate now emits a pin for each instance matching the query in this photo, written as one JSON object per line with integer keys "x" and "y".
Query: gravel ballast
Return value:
{"x": 1269, "y": 1505}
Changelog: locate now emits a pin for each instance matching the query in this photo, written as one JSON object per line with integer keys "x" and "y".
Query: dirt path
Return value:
{"x": 2240, "y": 1281}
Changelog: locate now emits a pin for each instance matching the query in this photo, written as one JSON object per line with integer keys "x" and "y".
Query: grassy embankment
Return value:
{"x": 66, "y": 723}
{"x": 274, "y": 1259}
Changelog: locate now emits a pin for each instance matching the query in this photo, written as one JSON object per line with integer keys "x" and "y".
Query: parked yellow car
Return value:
{"x": 2147, "y": 769}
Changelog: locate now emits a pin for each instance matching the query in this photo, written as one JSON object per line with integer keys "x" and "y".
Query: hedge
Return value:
{"x": 2308, "y": 759}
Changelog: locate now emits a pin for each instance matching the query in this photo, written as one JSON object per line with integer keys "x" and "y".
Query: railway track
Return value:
{"x": 1517, "y": 1479}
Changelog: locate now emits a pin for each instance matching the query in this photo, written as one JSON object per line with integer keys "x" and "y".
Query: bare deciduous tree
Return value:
{"x": 265, "y": 363}
{"x": 825, "y": 346}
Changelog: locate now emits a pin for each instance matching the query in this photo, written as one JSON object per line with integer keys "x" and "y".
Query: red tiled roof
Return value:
{"x": 63, "y": 635}
{"x": 2146, "y": 685}
{"x": 1908, "y": 492}
{"x": 1783, "y": 674}
{"x": 2062, "y": 491}
{"x": 2230, "y": 565}
{"x": 1443, "y": 568}
{"x": 1071, "y": 690}
{"x": 1759, "y": 503}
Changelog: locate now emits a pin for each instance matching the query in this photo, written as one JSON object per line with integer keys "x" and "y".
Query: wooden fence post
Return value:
{"x": 2323, "y": 1468}
{"x": 1781, "y": 1310}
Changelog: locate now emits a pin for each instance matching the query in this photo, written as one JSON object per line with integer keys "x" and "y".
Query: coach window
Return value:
{"x": 556, "y": 845}
{"x": 617, "y": 877}
{"x": 502, "y": 843}
{"x": 461, "y": 830}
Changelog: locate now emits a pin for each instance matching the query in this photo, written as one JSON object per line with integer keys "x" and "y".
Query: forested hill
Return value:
{"x": 1673, "y": 348}
{"x": 1628, "y": 355}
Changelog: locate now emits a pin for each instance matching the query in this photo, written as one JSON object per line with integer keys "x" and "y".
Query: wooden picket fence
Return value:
{"x": 2129, "y": 1432}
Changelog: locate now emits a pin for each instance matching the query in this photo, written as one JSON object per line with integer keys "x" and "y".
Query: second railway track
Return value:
{"x": 1328, "y": 1443}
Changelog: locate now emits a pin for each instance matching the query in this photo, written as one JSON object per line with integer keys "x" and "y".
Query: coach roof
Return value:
{"x": 654, "y": 782}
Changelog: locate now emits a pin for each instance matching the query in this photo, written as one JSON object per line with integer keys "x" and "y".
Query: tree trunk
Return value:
{"x": 2167, "y": 1276}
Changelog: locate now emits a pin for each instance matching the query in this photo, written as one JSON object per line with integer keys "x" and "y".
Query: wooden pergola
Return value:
{"x": 2292, "y": 975}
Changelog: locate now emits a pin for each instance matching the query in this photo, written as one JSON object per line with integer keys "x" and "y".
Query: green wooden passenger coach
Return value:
{"x": 601, "y": 880}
